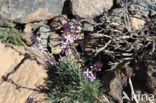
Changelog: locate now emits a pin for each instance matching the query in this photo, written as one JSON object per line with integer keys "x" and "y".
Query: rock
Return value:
{"x": 137, "y": 23}
{"x": 24, "y": 11}
{"x": 20, "y": 76}
{"x": 90, "y": 8}
{"x": 55, "y": 43}
{"x": 9, "y": 57}
{"x": 117, "y": 80}
{"x": 27, "y": 34}
{"x": 44, "y": 33}
{"x": 30, "y": 29}
{"x": 150, "y": 80}
{"x": 58, "y": 22}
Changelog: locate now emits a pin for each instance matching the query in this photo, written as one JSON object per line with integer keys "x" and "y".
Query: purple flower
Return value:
{"x": 67, "y": 58}
{"x": 52, "y": 61}
{"x": 78, "y": 19}
{"x": 69, "y": 39}
{"x": 66, "y": 27}
{"x": 40, "y": 47}
{"x": 30, "y": 99}
{"x": 91, "y": 77}
{"x": 68, "y": 52}
{"x": 86, "y": 73}
{"x": 34, "y": 38}
{"x": 33, "y": 46}
{"x": 75, "y": 37}
{"x": 79, "y": 28}
{"x": 72, "y": 30}
{"x": 45, "y": 59}
{"x": 63, "y": 51}
{"x": 38, "y": 39}
{"x": 98, "y": 65}
{"x": 63, "y": 44}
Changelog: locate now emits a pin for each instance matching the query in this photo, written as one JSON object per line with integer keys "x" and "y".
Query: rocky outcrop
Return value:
{"x": 90, "y": 8}
{"x": 20, "y": 76}
{"x": 24, "y": 11}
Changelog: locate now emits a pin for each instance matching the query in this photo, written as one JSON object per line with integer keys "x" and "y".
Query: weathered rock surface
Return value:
{"x": 117, "y": 80}
{"x": 19, "y": 76}
{"x": 90, "y": 8}
{"x": 24, "y": 11}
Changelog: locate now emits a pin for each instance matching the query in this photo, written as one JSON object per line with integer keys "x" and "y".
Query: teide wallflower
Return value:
{"x": 30, "y": 99}
{"x": 98, "y": 65}
{"x": 52, "y": 61}
{"x": 33, "y": 46}
{"x": 91, "y": 77}
{"x": 79, "y": 28}
{"x": 88, "y": 74}
{"x": 64, "y": 44}
{"x": 34, "y": 38}
{"x": 45, "y": 59}
{"x": 40, "y": 47}
{"x": 66, "y": 27}
{"x": 78, "y": 19}
{"x": 68, "y": 52}
{"x": 69, "y": 39}
{"x": 75, "y": 37}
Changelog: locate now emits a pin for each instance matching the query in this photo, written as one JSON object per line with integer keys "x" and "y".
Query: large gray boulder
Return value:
{"x": 24, "y": 11}
{"x": 90, "y": 8}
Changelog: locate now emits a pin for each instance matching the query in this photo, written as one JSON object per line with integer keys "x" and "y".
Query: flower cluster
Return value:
{"x": 88, "y": 74}
{"x": 36, "y": 44}
{"x": 51, "y": 61}
{"x": 72, "y": 27}
{"x": 97, "y": 66}
{"x": 31, "y": 99}
{"x": 70, "y": 35}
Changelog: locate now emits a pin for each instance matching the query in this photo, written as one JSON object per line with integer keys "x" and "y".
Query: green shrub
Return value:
{"x": 11, "y": 35}
{"x": 69, "y": 86}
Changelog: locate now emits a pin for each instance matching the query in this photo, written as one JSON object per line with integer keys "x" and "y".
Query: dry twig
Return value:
{"x": 132, "y": 90}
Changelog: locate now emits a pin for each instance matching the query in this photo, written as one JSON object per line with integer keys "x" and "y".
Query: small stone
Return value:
{"x": 137, "y": 23}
